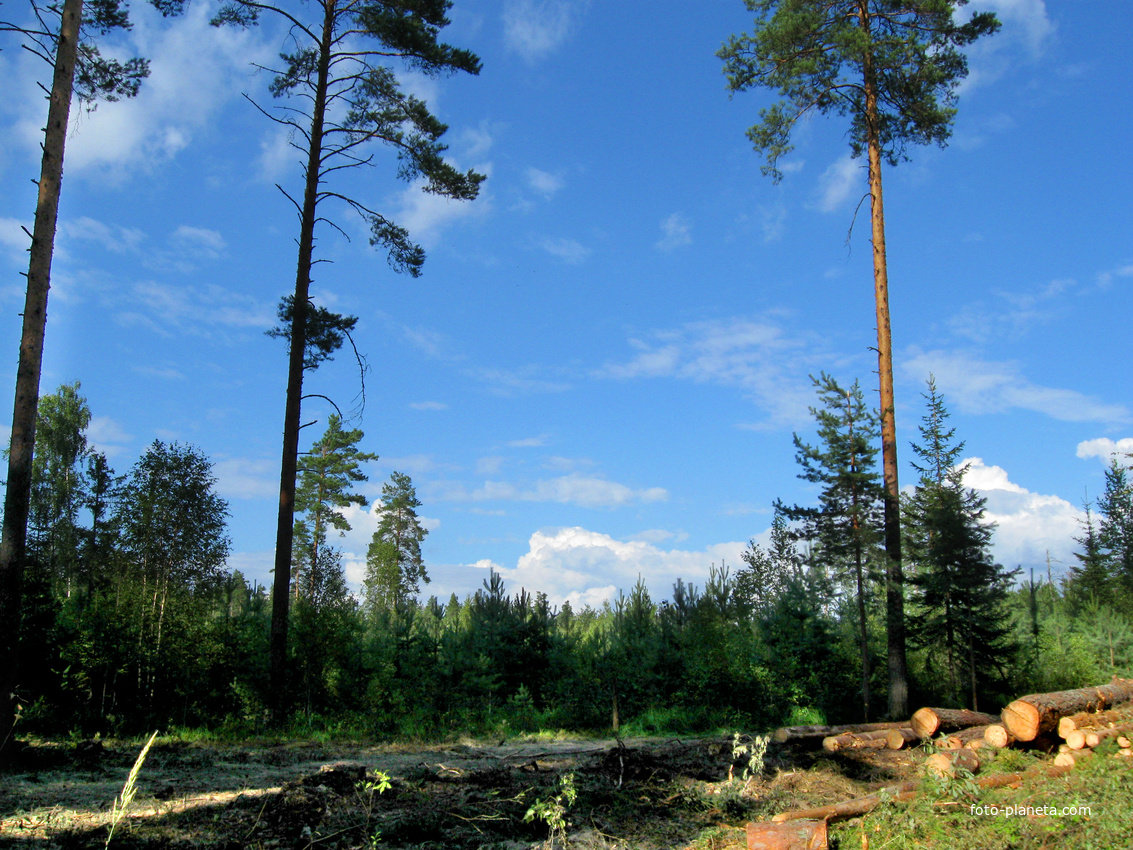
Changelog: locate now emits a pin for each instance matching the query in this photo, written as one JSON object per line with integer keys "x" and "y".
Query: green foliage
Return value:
{"x": 820, "y": 56}
{"x": 394, "y": 566}
{"x": 553, "y": 810}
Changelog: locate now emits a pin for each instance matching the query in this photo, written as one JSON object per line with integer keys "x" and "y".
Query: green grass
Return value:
{"x": 1101, "y": 790}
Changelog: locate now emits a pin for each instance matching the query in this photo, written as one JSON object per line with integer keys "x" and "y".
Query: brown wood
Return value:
{"x": 801, "y": 734}
{"x": 1072, "y": 758}
{"x": 948, "y": 763}
{"x": 1092, "y": 737}
{"x": 965, "y": 737}
{"x": 927, "y": 722}
{"x": 898, "y": 739}
{"x": 1095, "y": 719}
{"x": 857, "y": 740}
{"x": 1030, "y": 716}
{"x": 790, "y": 835}
{"x": 997, "y": 736}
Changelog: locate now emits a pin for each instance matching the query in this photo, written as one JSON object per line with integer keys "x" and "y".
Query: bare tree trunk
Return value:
{"x": 289, "y": 463}
{"x": 13, "y": 545}
{"x": 895, "y": 579}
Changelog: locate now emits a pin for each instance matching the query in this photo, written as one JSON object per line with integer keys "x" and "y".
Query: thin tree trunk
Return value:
{"x": 895, "y": 579}
{"x": 289, "y": 463}
{"x": 17, "y": 500}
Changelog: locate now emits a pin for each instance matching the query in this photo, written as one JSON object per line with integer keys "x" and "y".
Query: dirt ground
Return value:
{"x": 640, "y": 793}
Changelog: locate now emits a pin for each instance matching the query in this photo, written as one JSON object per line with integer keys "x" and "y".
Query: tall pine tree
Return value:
{"x": 892, "y": 67}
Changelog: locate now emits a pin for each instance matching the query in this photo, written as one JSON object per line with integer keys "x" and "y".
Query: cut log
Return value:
{"x": 947, "y": 764}
{"x": 1095, "y": 719}
{"x": 905, "y": 792}
{"x": 857, "y": 740}
{"x": 801, "y": 734}
{"x": 964, "y": 738}
{"x": 898, "y": 739}
{"x": 1072, "y": 758}
{"x": 1030, "y": 716}
{"x": 791, "y": 835}
{"x": 927, "y": 722}
{"x": 997, "y": 736}
{"x": 1092, "y": 737}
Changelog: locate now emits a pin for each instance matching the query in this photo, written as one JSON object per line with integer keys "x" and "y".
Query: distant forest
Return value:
{"x": 133, "y": 620}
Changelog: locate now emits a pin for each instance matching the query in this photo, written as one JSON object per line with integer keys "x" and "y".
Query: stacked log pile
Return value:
{"x": 1083, "y": 718}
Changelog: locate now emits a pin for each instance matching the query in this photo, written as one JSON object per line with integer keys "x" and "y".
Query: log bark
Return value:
{"x": 1094, "y": 719}
{"x": 898, "y": 739}
{"x": 927, "y": 722}
{"x": 1030, "y": 716}
{"x": 800, "y": 734}
{"x": 792, "y": 835}
{"x": 1092, "y": 737}
{"x": 966, "y": 738}
{"x": 947, "y": 764}
{"x": 857, "y": 740}
{"x": 996, "y": 735}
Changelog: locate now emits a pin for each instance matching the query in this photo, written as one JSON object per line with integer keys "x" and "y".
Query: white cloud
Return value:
{"x": 108, "y": 436}
{"x": 1106, "y": 278}
{"x": 543, "y": 182}
{"x": 588, "y": 567}
{"x": 245, "y": 478}
{"x": 202, "y": 310}
{"x": 425, "y": 214}
{"x": 1027, "y": 30}
{"x": 754, "y": 354}
{"x": 1029, "y": 526}
{"x": 983, "y": 386}
{"x": 14, "y": 241}
{"x": 1105, "y": 448}
{"x": 529, "y": 442}
{"x": 194, "y": 70}
{"x": 676, "y": 232}
{"x": 536, "y": 28}
{"x": 587, "y": 491}
{"x": 113, "y": 237}
{"x": 567, "y": 250}
{"x": 428, "y": 405}
{"x": 838, "y": 183}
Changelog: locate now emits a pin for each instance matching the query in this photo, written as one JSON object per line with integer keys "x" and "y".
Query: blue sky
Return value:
{"x": 599, "y": 373}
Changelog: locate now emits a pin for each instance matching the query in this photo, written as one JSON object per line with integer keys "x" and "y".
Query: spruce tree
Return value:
{"x": 959, "y": 592}
{"x": 1115, "y": 532}
{"x": 846, "y": 527}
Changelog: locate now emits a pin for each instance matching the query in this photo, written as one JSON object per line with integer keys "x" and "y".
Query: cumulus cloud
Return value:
{"x": 426, "y": 215}
{"x": 676, "y": 232}
{"x": 755, "y": 354}
{"x": 536, "y": 28}
{"x": 1105, "y": 448}
{"x": 589, "y": 568}
{"x": 983, "y": 386}
{"x": 1029, "y": 526}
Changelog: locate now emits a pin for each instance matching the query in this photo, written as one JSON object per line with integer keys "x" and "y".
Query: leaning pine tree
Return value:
{"x": 64, "y": 35}
{"x": 342, "y": 94}
{"x": 892, "y": 67}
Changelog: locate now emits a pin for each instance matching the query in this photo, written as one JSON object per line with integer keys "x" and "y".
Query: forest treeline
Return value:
{"x": 134, "y": 619}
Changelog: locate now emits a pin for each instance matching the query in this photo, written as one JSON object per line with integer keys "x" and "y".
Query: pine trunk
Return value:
{"x": 927, "y": 722}
{"x": 857, "y": 740}
{"x": 17, "y": 499}
{"x": 285, "y": 531}
{"x": 1030, "y": 716}
{"x": 898, "y": 739}
{"x": 948, "y": 764}
{"x": 894, "y": 576}
{"x": 997, "y": 736}
{"x": 793, "y": 835}
{"x": 802, "y": 734}
{"x": 1094, "y": 719}
{"x": 971, "y": 738}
